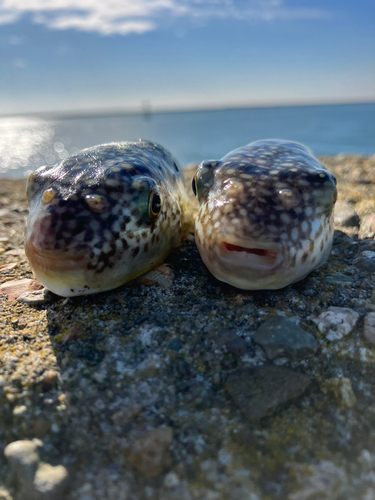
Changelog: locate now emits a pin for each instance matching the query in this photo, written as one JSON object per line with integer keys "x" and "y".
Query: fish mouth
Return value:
{"x": 53, "y": 260}
{"x": 250, "y": 253}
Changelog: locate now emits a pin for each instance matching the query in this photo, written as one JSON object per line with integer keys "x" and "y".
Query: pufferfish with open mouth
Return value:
{"x": 266, "y": 214}
{"x": 104, "y": 216}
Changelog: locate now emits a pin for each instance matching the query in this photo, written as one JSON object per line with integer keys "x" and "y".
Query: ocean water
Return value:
{"x": 27, "y": 143}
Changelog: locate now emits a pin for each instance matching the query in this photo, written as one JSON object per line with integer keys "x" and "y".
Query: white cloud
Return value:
{"x": 7, "y": 17}
{"x": 138, "y": 16}
{"x": 104, "y": 25}
{"x": 19, "y": 63}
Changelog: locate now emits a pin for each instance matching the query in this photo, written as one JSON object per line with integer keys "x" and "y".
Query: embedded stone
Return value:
{"x": 162, "y": 275}
{"x": 237, "y": 346}
{"x": 345, "y": 215}
{"x": 337, "y": 279}
{"x": 36, "y": 480}
{"x": 15, "y": 288}
{"x": 342, "y": 390}
{"x": 366, "y": 261}
{"x": 23, "y": 458}
{"x": 336, "y": 322}
{"x": 123, "y": 417}
{"x": 150, "y": 454}
{"x": 229, "y": 339}
{"x": 51, "y": 481}
{"x": 278, "y": 336}
{"x": 369, "y": 327}
{"x": 261, "y": 390}
{"x": 36, "y": 298}
{"x": 323, "y": 480}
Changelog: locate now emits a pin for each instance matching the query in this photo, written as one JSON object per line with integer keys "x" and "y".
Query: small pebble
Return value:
{"x": 237, "y": 346}
{"x": 368, "y": 224}
{"x": 37, "y": 298}
{"x": 223, "y": 337}
{"x": 15, "y": 288}
{"x": 174, "y": 345}
{"x": 337, "y": 279}
{"x": 260, "y": 390}
{"x": 336, "y": 322}
{"x": 4, "y": 494}
{"x": 51, "y": 481}
{"x": 23, "y": 458}
{"x": 366, "y": 261}
{"x": 229, "y": 339}
{"x": 171, "y": 480}
{"x": 17, "y": 252}
{"x": 50, "y": 379}
{"x": 323, "y": 481}
{"x": 123, "y": 417}
{"x": 73, "y": 334}
{"x": 36, "y": 480}
{"x": 8, "y": 267}
{"x": 369, "y": 327}
{"x": 341, "y": 388}
{"x": 150, "y": 454}
{"x": 278, "y": 336}
{"x": 163, "y": 275}
{"x": 345, "y": 215}
{"x": 19, "y": 410}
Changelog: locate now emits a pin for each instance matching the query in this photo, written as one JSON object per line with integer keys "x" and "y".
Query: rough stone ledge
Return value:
{"x": 144, "y": 392}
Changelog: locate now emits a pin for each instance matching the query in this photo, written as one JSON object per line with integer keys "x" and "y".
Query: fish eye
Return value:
{"x": 154, "y": 205}
{"x": 289, "y": 198}
{"x": 49, "y": 195}
{"x": 96, "y": 202}
{"x": 194, "y": 185}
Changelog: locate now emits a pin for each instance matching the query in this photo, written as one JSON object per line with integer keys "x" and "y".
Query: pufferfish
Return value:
{"x": 266, "y": 214}
{"x": 104, "y": 216}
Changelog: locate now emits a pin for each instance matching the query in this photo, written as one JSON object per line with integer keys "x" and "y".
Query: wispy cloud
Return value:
{"x": 129, "y": 16}
{"x": 20, "y": 63}
{"x": 15, "y": 40}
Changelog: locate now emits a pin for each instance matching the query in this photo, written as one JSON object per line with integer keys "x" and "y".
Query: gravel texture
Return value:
{"x": 145, "y": 392}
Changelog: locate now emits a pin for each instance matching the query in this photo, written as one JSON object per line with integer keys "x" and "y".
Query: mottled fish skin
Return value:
{"x": 266, "y": 214}
{"x": 104, "y": 216}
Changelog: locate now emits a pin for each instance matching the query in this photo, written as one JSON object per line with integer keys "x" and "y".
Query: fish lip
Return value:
{"x": 54, "y": 260}
{"x": 255, "y": 254}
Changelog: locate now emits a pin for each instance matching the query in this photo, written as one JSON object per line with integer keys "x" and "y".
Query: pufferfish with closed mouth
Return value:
{"x": 104, "y": 216}
{"x": 266, "y": 214}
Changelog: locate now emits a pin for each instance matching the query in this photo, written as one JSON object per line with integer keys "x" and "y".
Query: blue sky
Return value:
{"x": 183, "y": 54}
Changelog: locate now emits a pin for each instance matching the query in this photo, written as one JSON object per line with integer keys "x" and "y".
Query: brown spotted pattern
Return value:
{"x": 265, "y": 217}
{"x": 104, "y": 216}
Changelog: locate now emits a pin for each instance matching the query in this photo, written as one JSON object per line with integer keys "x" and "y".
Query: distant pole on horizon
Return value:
{"x": 146, "y": 109}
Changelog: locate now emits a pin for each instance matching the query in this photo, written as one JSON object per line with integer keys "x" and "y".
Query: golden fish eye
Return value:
{"x": 96, "y": 202}
{"x": 154, "y": 205}
{"x": 288, "y": 198}
{"x": 49, "y": 195}
{"x": 194, "y": 185}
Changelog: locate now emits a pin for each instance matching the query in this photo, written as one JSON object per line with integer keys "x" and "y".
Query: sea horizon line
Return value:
{"x": 148, "y": 110}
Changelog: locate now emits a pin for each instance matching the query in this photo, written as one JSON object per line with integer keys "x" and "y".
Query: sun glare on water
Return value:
{"x": 28, "y": 143}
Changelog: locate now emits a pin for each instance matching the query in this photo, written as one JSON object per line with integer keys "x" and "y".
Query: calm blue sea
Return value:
{"x": 29, "y": 142}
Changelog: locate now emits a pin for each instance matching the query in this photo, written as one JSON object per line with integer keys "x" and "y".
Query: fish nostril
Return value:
{"x": 97, "y": 202}
{"x": 233, "y": 188}
{"x": 289, "y": 198}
